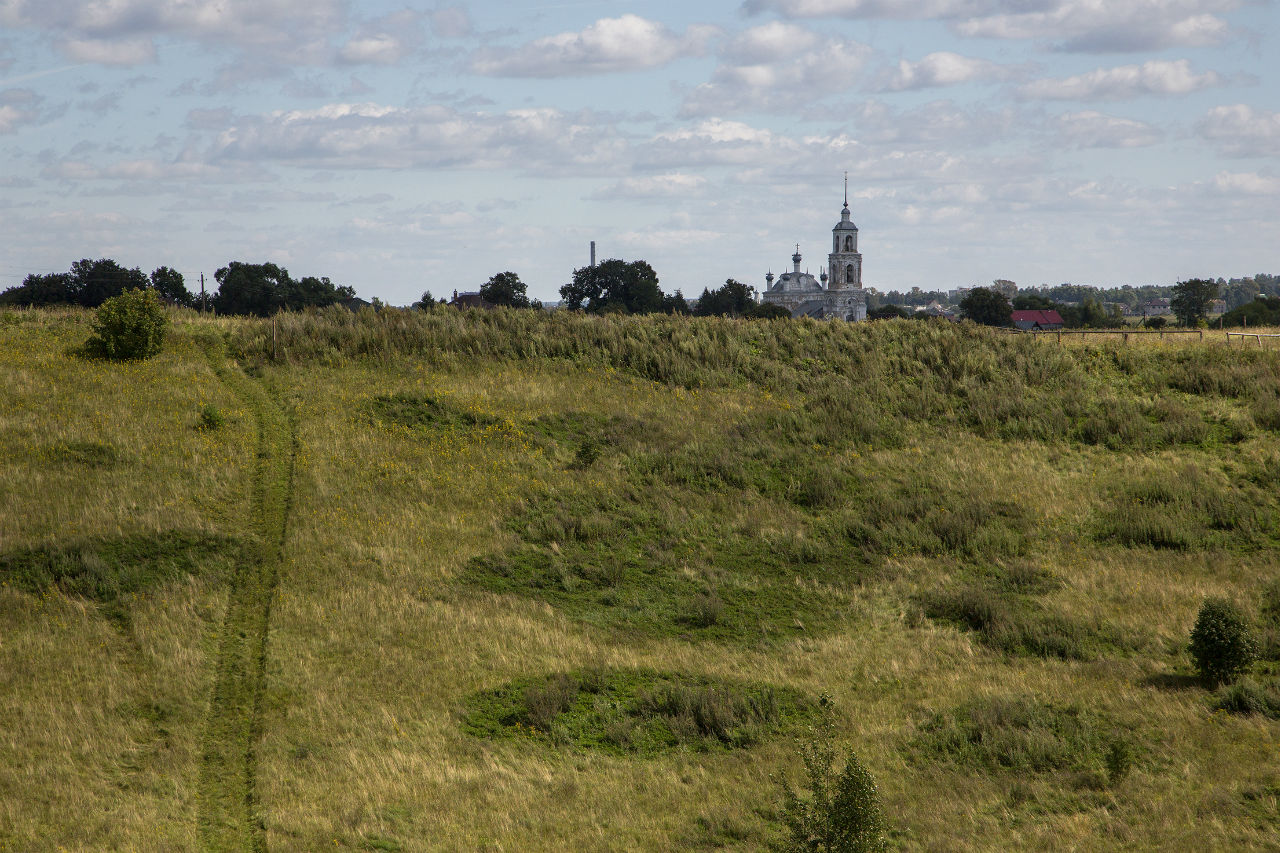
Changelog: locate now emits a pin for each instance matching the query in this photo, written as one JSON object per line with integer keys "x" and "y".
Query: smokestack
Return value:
{"x": 593, "y": 253}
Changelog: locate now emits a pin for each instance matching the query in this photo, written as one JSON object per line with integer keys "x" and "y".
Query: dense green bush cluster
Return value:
{"x": 129, "y": 326}
{"x": 1222, "y": 642}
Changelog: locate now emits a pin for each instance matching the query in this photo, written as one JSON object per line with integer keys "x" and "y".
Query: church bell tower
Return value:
{"x": 845, "y": 261}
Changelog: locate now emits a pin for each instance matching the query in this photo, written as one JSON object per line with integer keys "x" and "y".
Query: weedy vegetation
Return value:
{"x": 442, "y": 580}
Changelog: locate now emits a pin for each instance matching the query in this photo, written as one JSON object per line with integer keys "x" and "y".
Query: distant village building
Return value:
{"x": 1037, "y": 321}
{"x": 469, "y": 300}
{"x": 839, "y": 294}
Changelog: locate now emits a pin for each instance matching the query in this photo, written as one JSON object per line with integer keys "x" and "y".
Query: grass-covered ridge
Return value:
{"x": 558, "y": 582}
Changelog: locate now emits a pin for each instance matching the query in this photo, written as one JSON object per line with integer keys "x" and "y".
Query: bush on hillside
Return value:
{"x": 1222, "y": 644}
{"x": 1248, "y": 698}
{"x": 841, "y": 813}
{"x": 128, "y": 326}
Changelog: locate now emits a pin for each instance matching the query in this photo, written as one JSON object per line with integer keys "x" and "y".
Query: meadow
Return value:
{"x": 515, "y": 581}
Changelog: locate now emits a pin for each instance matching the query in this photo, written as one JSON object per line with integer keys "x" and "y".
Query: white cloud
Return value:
{"x": 20, "y": 107}
{"x": 610, "y": 45}
{"x": 385, "y": 41}
{"x": 1157, "y": 77}
{"x": 937, "y": 123}
{"x": 123, "y": 31}
{"x": 939, "y": 69}
{"x": 376, "y": 136}
{"x": 776, "y": 67}
{"x": 1246, "y": 183}
{"x": 671, "y": 185}
{"x": 451, "y": 22}
{"x": 1091, "y": 129}
{"x": 867, "y": 8}
{"x": 1239, "y": 130}
{"x": 1082, "y": 25}
{"x": 131, "y": 51}
{"x": 1093, "y": 26}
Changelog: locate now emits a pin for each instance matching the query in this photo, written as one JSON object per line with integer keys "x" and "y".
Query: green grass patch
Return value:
{"x": 109, "y": 570}
{"x": 1018, "y": 625}
{"x": 88, "y": 454}
{"x": 424, "y": 411}
{"x": 1185, "y": 508}
{"x": 658, "y": 563}
{"x": 635, "y": 712}
{"x": 1020, "y": 735}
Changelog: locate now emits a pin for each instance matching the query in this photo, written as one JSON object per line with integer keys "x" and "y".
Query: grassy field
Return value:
{"x": 524, "y": 582}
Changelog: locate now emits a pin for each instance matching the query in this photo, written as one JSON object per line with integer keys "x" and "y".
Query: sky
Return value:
{"x": 408, "y": 147}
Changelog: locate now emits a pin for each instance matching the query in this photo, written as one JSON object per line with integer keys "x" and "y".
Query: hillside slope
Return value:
{"x": 564, "y": 582}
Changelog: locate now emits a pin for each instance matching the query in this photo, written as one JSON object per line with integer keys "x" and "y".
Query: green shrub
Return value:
{"x": 128, "y": 326}
{"x": 1222, "y": 644}
{"x": 841, "y": 812}
{"x": 1247, "y": 697}
{"x": 1119, "y": 761}
{"x": 210, "y": 418}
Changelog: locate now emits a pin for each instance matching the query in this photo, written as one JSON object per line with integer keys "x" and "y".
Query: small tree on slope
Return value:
{"x": 841, "y": 813}
{"x": 1222, "y": 645}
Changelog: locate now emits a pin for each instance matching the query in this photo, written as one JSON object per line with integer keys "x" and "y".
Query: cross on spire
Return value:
{"x": 846, "y": 189}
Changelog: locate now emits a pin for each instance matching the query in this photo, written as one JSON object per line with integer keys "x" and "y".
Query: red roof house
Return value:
{"x": 1043, "y": 321}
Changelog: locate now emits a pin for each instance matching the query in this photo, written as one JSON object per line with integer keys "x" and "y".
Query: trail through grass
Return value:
{"x": 229, "y": 815}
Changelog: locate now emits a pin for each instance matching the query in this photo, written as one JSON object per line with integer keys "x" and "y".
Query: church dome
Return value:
{"x": 794, "y": 282}
{"x": 845, "y": 223}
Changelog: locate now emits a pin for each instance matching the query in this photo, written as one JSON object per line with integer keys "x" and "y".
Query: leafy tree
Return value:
{"x": 96, "y": 281}
{"x": 37, "y": 289}
{"x": 1222, "y": 644}
{"x": 889, "y": 311}
{"x": 426, "y": 301}
{"x": 768, "y": 311}
{"x": 985, "y": 306}
{"x": 1089, "y": 314}
{"x": 318, "y": 292}
{"x": 128, "y": 326}
{"x": 1028, "y": 300}
{"x": 841, "y": 813}
{"x": 614, "y": 285}
{"x": 1263, "y": 311}
{"x": 170, "y": 285}
{"x": 250, "y": 289}
{"x": 732, "y": 299}
{"x": 675, "y": 304}
{"x": 264, "y": 289}
{"x": 505, "y": 288}
{"x": 1191, "y": 298}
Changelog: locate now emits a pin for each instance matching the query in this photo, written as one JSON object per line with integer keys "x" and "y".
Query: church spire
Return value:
{"x": 844, "y": 213}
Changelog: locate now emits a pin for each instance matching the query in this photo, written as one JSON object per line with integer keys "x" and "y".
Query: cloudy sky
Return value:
{"x": 401, "y": 147}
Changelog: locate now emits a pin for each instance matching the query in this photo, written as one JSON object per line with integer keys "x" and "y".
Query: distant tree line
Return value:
{"x": 90, "y": 283}
{"x": 260, "y": 289}
{"x": 617, "y": 287}
{"x": 1236, "y": 292}
{"x": 1189, "y": 301}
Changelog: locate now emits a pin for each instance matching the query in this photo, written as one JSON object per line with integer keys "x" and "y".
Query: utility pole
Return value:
{"x": 201, "y": 293}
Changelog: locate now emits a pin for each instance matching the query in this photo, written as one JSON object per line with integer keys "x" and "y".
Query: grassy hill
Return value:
{"x": 513, "y": 581}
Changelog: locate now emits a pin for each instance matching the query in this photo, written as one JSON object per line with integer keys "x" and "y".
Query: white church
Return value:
{"x": 839, "y": 294}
